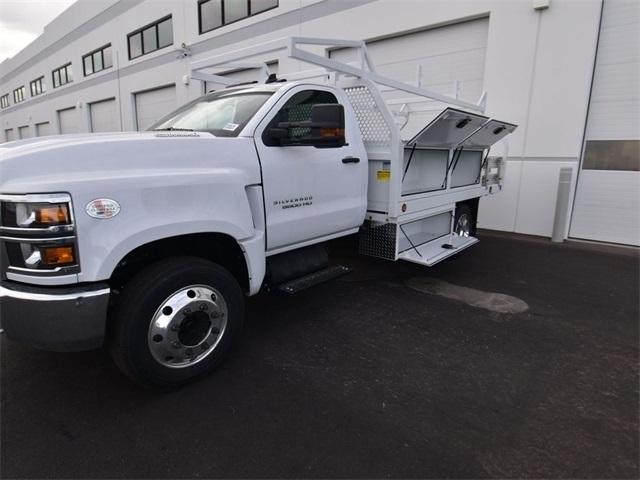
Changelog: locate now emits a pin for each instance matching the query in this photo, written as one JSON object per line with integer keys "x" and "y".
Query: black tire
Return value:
{"x": 139, "y": 302}
{"x": 462, "y": 209}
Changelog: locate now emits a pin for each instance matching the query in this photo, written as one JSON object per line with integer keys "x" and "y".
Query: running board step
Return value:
{"x": 302, "y": 283}
{"x": 433, "y": 252}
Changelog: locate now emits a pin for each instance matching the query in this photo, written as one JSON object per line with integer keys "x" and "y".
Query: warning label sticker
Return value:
{"x": 383, "y": 175}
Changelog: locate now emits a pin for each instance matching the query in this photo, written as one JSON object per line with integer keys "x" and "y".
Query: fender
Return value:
{"x": 166, "y": 204}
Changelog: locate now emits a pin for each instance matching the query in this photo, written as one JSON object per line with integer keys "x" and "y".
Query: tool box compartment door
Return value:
{"x": 491, "y": 132}
{"x": 448, "y": 129}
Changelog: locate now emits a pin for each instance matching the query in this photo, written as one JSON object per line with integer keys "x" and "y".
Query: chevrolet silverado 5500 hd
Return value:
{"x": 147, "y": 242}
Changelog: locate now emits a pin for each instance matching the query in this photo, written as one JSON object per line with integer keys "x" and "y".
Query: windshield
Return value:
{"x": 222, "y": 113}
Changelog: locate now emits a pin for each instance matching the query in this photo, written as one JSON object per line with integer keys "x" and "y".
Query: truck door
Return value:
{"x": 311, "y": 191}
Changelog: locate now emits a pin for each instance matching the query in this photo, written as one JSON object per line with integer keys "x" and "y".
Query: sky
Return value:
{"x": 21, "y": 21}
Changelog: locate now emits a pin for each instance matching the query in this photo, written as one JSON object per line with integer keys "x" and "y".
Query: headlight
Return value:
{"x": 35, "y": 215}
{"x": 38, "y": 234}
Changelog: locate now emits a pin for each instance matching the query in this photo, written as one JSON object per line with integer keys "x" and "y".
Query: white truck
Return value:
{"x": 147, "y": 242}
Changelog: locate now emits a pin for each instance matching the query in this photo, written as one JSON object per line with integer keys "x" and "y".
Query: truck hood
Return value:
{"x": 54, "y": 163}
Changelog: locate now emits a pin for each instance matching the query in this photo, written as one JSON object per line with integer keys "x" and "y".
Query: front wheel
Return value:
{"x": 175, "y": 321}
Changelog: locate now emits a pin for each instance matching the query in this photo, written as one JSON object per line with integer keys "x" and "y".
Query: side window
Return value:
{"x": 298, "y": 109}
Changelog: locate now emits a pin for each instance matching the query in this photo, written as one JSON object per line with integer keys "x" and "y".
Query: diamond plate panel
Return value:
{"x": 378, "y": 240}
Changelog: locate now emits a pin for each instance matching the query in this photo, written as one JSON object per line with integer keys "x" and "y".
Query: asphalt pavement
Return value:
{"x": 394, "y": 370}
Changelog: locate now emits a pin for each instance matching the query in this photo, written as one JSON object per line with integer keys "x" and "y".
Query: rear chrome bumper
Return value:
{"x": 56, "y": 319}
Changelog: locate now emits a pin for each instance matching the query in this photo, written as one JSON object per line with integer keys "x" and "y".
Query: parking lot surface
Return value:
{"x": 395, "y": 370}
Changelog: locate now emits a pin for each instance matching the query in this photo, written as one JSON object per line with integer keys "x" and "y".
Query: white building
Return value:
{"x": 566, "y": 71}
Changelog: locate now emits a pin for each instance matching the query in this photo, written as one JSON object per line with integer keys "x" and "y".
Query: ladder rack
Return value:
{"x": 292, "y": 46}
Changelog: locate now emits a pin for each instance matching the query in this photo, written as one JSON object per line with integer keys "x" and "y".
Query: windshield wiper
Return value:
{"x": 172, "y": 129}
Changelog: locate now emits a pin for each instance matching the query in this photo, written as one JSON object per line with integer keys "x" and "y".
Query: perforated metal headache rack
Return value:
{"x": 415, "y": 181}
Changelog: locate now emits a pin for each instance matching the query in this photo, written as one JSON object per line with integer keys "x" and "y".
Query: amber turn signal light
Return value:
{"x": 332, "y": 132}
{"x": 58, "y": 255}
{"x": 54, "y": 215}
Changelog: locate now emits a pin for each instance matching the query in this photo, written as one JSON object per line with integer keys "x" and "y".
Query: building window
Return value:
{"x": 97, "y": 60}
{"x": 151, "y": 38}
{"x": 37, "y": 86}
{"x": 18, "y": 95}
{"x": 213, "y": 14}
{"x": 4, "y": 100}
{"x": 621, "y": 155}
{"x": 62, "y": 75}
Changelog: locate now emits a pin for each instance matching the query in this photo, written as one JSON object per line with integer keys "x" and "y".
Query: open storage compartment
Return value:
{"x": 418, "y": 232}
{"x": 424, "y": 170}
{"x": 426, "y": 241}
{"x": 466, "y": 168}
{"x": 428, "y": 158}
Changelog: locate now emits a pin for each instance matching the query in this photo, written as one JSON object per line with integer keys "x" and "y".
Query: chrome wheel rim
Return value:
{"x": 463, "y": 226}
{"x": 187, "y": 326}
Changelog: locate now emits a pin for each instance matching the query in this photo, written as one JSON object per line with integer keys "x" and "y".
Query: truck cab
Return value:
{"x": 228, "y": 180}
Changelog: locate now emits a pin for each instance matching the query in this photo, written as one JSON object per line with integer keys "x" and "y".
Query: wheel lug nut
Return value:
{"x": 203, "y": 306}
{"x": 176, "y": 344}
{"x": 215, "y": 330}
{"x": 186, "y": 311}
{"x": 215, "y": 315}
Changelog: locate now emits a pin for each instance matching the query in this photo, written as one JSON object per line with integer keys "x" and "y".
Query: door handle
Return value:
{"x": 350, "y": 160}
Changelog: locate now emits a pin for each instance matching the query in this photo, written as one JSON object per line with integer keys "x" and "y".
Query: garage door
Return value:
{"x": 8, "y": 134}
{"x": 153, "y": 105}
{"x": 241, "y": 75}
{"x": 23, "y": 132}
{"x": 69, "y": 122}
{"x": 453, "y": 53}
{"x": 43, "y": 129}
{"x": 104, "y": 116}
{"x": 607, "y": 202}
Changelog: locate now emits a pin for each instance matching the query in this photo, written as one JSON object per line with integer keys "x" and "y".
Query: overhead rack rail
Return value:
{"x": 365, "y": 69}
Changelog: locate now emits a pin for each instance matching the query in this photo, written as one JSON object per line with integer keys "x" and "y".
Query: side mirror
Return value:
{"x": 324, "y": 130}
{"x": 327, "y": 125}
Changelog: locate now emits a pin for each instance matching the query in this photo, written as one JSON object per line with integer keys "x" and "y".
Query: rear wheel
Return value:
{"x": 175, "y": 321}
{"x": 465, "y": 222}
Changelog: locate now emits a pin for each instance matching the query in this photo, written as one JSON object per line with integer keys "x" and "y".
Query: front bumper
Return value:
{"x": 56, "y": 319}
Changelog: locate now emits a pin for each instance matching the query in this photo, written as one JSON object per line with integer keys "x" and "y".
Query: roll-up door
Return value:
{"x": 607, "y": 201}
{"x": 69, "y": 121}
{"x": 152, "y": 105}
{"x": 43, "y": 129}
{"x": 8, "y": 133}
{"x": 23, "y": 132}
{"x": 104, "y": 116}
